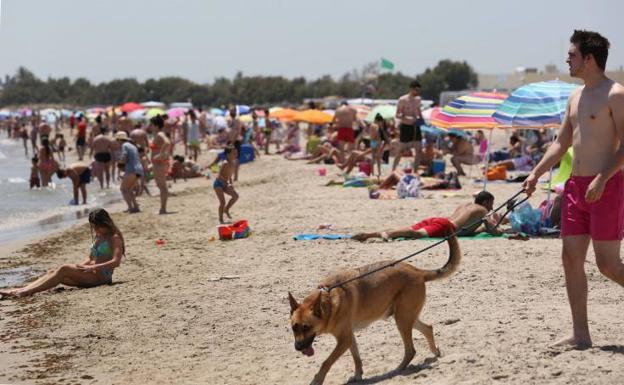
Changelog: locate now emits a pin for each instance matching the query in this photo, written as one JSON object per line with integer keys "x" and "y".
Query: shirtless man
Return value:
{"x": 236, "y": 139}
{"x": 409, "y": 114}
{"x": 80, "y": 175}
{"x": 161, "y": 154}
{"x": 139, "y": 137}
{"x": 124, "y": 123}
{"x": 102, "y": 148}
{"x": 344, "y": 118}
{"x": 464, "y": 215}
{"x": 592, "y": 206}
{"x": 462, "y": 152}
{"x": 44, "y": 131}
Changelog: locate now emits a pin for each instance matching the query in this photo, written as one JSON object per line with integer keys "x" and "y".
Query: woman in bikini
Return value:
{"x": 161, "y": 152}
{"x": 97, "y": 269}
{"x": 47, "y": 164}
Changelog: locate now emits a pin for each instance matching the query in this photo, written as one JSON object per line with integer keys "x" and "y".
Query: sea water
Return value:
{"x": 26, "y": 213}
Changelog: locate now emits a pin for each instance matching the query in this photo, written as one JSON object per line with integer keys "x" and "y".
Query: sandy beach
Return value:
{"x": 198, "y": 311}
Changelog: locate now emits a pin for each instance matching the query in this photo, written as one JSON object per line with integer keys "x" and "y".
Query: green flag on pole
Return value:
{"x": 386, "y": 64}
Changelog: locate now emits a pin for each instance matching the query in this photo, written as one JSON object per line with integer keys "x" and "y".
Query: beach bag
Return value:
{"x": 526, "y": 219}
{"x": 497, "y": 173}
{"x": 237, "y": 230}
{"x": 408, "y": 187}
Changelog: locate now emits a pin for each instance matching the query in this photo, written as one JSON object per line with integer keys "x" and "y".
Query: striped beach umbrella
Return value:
{"x": 472, "y": 111}
{"x": 535, "y": 105}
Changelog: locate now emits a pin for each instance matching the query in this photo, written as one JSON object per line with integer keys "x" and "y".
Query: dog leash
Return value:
{"x": 510, "y": 203}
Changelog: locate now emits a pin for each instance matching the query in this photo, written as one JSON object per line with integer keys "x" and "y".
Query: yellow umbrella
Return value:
{"x": 153, "y": 112}
{"x": 245, "y": 118}
{"x": 314, "y": 117}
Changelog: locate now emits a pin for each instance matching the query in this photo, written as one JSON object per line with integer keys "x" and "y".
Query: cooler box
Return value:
{"x": 438, "y": 166}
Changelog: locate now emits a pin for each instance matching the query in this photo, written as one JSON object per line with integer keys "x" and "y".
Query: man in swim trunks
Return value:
{"x": 81, "y": 137}
{"x": 80, "y": 175}
{"x": 463, "y": 215}
{"x": 102, "y": 147}
{"x": 592, "y": 208}
{"x": 344, "y": 118}
{"x": 408, "y": 113}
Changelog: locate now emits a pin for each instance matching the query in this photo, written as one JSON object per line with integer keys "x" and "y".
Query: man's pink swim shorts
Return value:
{"x": 602, "y": 220}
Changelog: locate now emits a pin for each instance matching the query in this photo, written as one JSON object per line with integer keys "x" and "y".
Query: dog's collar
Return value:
{"x": 324, "y": 288}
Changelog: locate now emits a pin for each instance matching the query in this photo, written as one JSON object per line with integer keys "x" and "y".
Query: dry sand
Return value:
{"x": 169, "y": 318}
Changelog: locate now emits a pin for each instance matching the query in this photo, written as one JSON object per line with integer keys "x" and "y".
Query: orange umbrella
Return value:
{"x": 284, "y": 114}
{"x": 314, "y": 117}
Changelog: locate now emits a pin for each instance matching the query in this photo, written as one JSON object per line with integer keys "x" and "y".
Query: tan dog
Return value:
{"x": 398, "y": 290}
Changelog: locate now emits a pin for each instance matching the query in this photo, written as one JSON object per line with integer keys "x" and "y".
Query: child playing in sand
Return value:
{"x": 34, "y": 173}
{"x": 223, "y": 183}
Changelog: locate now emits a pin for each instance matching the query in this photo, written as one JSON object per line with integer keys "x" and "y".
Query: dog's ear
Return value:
{"x": 293, "y": 303}
{"x": 317, "y": 309}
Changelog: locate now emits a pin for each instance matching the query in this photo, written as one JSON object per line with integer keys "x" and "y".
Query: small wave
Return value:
{"x": 16, "y": 180}
{"x": 2, "y": 156}
{"x": 9, "y": 142}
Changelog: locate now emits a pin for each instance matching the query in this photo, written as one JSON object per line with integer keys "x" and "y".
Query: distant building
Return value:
{"x": 523, "y": 75}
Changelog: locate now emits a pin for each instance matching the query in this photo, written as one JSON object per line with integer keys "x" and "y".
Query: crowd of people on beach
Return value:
{"x": 114, "y": 147}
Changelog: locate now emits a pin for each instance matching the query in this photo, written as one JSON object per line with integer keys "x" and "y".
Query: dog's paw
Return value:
{"x": 317, "y": 380}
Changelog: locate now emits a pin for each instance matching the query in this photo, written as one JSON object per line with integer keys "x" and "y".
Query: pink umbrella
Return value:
{"x": 176, "y": 112}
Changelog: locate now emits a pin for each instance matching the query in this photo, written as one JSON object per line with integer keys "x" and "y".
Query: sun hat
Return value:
{"x": 121, "y": 135}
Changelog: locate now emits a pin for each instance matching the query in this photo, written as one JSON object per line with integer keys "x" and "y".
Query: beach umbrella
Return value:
{"x": 129, "y": 107}
{"x": 435, "y": 131}
{"x": 50, "y": 111}
{"x": 361, "y": 110}
{"x": 219, "y": 122}
{"x": 137, "y": 115}
{"x": 314, "y": 117}
{"x": 387, "y": 111}
{"x": 153, "y": 112}
{"x": 535, "y": 105}
{"x": 428, "y": 113}
{"x": 176, "y": 112}
{"x": 245, "y": 118}
{"x": 153, "y": 104}
{"x": 217, "y": 112}
{"x": 243, "y": 110}
{"x": 472, "y": 111}
{"x": 283, "y": 114}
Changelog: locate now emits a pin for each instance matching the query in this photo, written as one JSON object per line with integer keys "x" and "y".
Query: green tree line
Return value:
{"x": 26, "y": 88}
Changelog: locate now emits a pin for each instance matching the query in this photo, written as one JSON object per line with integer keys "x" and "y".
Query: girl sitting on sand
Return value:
{"x": 105, "y": 255}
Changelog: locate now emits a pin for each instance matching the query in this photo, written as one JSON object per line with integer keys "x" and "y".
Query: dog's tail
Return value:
{"x": 450, "y": 266}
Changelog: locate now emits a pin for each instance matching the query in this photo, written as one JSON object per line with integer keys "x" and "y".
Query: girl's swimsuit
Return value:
{"x": 218, "y": 183}
{"x": 101, "y": 253}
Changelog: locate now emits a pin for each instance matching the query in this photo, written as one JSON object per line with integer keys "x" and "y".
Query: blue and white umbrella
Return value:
{"x": 535, "y": 105}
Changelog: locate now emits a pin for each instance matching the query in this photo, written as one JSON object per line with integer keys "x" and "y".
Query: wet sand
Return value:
{"x": 199, "y": 311}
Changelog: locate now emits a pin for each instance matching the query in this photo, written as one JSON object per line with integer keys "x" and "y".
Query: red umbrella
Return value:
{"x": 129, "y": 107}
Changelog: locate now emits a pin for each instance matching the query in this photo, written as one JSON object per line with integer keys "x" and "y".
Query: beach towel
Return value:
{"x": 313, "y": 237}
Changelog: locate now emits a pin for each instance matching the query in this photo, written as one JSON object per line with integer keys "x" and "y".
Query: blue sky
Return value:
{"x": 201, "y": 40}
